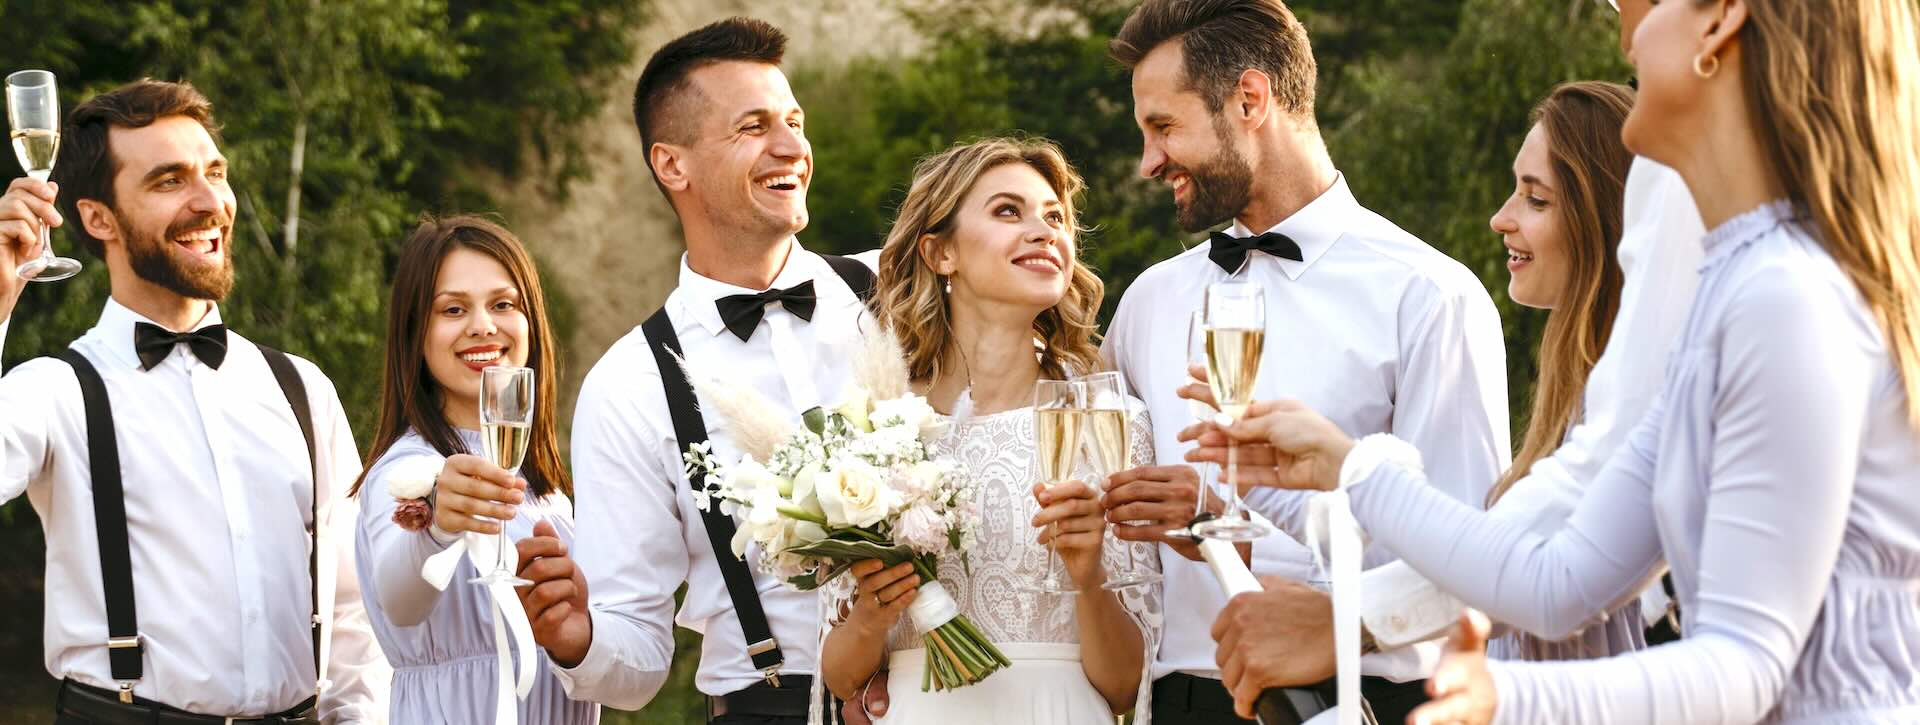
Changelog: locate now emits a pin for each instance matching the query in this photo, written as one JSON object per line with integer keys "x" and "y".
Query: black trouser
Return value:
{"x": 1182, "y": 698}
{"x": 763, "y": 704}
{"x": 79, "y": 704}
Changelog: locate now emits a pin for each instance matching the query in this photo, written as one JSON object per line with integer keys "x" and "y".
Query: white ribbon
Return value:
{"x": 507, "y": 615}
{"x": 1331, "y": 528}
{"x": 932, "y": 608}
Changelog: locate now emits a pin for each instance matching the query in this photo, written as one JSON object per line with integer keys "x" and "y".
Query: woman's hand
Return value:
{"x": 1281, "y": 443}
{"x": 1461, "y": 687}
{"x": 474, "y": 495}
{"x": 1072, "y": 519}
{"x": 881, "y": 594}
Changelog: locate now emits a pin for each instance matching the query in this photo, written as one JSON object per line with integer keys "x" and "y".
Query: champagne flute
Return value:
{"x": 1057, "y": 417}
{"x": 1106, "y": 434}
{"x": 506, "y": 427}
{"x": 33, "y": 113}
{"x": 1236, "y": 331}
{"x": 1197, "y": 355}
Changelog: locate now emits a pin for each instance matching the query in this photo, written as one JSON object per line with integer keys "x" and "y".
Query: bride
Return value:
{"x": 980, "y": 280}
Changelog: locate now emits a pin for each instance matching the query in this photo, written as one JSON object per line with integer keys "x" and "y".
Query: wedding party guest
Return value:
{"x": 1402, "y": 338}
{"x": 465, "y": 297}
{"x": 982, "y": 262}
{"x": 1785, "y": 434}
{"x": 725, "y": 141}
{"x": 169, "y": 457}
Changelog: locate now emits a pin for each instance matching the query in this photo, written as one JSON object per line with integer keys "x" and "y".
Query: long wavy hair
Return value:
{"x": 911, "y": 300}
{"x": 1582, "y": 121}
{"x": 410, "y": 397}
{"x": 1831, "y": 88}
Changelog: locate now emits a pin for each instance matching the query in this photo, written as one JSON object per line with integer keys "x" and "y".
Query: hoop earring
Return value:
{"x": 1706, "y": 72}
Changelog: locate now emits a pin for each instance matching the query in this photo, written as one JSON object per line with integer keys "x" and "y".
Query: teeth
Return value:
{"x": 1038, "y": 262}
{"x": 479, "y": 357}
{"x": 788, "y": 180}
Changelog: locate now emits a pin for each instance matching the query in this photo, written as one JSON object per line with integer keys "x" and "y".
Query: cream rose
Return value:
{"x": 854, "y": 494}
{"x": 414, "y": 477}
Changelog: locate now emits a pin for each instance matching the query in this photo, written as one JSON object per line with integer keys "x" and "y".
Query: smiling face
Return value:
{"x": 1011, "y": 243}
{"x": 476, "y": 321}
{"x": 749, "y": 165}
{"x": 1530, "y": 227}
{"x": 173, "y": 210}
{"x": 1186, "y": 146}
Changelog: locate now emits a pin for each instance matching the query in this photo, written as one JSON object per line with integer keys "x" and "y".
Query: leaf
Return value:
{"x": 851, "y": 551}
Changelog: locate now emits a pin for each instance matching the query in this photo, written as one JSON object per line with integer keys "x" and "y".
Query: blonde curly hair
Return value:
{"x": 910, "y": 300}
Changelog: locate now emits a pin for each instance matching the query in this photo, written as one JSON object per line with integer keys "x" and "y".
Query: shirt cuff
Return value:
{"x": 441, "y": 537}
{"x": 601, "y": 658}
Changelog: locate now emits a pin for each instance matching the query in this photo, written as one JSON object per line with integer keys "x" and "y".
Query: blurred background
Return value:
{"x": 345, "y": 119}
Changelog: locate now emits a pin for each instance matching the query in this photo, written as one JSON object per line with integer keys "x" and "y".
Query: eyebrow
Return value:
{"x": 176, "y": 167}
{"x": 1156, "y": 118}
{"x": 462, "y": 293}
{"x": 1536, "y": 181}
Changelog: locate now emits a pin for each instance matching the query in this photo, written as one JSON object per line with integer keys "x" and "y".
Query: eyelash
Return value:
{"x": 1536, "y": 203}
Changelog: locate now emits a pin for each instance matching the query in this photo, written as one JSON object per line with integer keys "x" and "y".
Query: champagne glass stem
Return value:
{"x": 1233, "y": 484}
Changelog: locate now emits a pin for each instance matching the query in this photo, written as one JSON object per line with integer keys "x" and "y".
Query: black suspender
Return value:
{"x": 690, "y": 428}
{"x": 124, "y": 646}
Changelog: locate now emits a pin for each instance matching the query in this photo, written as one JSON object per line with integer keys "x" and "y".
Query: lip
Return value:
{"x": 797, "y": 178}
{"x": 1047, "y": 255}
{"x": 1517, "y": 258}
{"x": 480, "y": 350}
{"x": 217, "y": 246}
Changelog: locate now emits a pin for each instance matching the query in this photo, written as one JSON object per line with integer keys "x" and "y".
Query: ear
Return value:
{"x": 668, "y": 168}
{"x": 937, "y": 255}
{"x": 1728, "y": 21}
{"x": 1252, "y": 98}
{"x": 98, "y": 220}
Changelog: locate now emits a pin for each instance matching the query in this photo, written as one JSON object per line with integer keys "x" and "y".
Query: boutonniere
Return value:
{"x": 411, "y": 484}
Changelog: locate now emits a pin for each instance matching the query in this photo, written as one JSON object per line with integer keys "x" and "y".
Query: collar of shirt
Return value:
{"x": 694, "y": 300}
{"x": 1315, "y": 227}
{"x": 116, "y": 333}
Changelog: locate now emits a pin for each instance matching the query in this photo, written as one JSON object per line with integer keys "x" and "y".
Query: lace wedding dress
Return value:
{"x": 1036, "y": 630}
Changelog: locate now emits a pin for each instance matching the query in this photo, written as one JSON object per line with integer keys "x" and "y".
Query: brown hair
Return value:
{"x": 1830, "y": 89}
{"x": 87, "y": 165}
{"x": 910, "y": 301}
{"x": 1221, "y": 39}
{"x": 1582, "y": 121}
{"x": 657, "y": 108}
{"x": 409, "y": 395}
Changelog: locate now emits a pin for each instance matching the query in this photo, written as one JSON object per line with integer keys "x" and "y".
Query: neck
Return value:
{"x": 460, "y": 413}
{"x": 1726, "y": 168}
{"x": 993, "y": 352}
{"x": 157, "y": 303}
{"x": 749, "y": 261}
{"x": 1292, "y": 168}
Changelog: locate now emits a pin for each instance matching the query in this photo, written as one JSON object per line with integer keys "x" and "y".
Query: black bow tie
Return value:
{"x": 1230, "y": 252}
{"x": 154, "y": 343}
{"x": 741, "y": 313}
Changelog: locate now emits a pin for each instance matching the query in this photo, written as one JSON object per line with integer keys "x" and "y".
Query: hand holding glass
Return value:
{"x": 33, "y": 114}
{"x": 1236, "y": 331}
{"x": 1106, "y": 439}
{"x": 506, "y": 427}
{"x": 1057, "y": 418}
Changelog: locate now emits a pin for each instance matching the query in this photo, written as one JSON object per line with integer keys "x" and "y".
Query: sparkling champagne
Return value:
{"x": 1057, "y": 438}
{"x": 506, "y": 443}
{"x": 36, "y": 148}
{"x": 1107, "y": 437}
{"x": 1233, "y": 364}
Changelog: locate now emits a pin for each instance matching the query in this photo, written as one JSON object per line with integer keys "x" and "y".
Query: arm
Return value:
{"x": 856, "y": 647}
{"x": 621, "y": 487}
{"x": 358, "y": 670}
{"x": 395, "y": 555}
{"x": 23, "y": 208}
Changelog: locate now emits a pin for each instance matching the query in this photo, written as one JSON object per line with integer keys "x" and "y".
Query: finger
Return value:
{"x": 877, "y": 697}
{"x": 471, "y": 506}
{"x": 480, "y": 468}
{"x": 1470, "y": 635}
{"x": 1065, "y": 510}
{"x": 1143, "y": 473}
{"x": 458, "y": 522}
{"x": 23, "y": 235}
{"x": 30, "y": 207}
{"x": 550, "y": 593}
{"x": 554, "y": 617}
{"x": 899, "y": 588}
{"x": 866, "y": 567}
{"x": 1223, "y": 624}
{"x": 1068, "y": 491}
{"x": 544, "y": 570}
{"x": 886, "y": 577}
{"x": 1159, "y": 513}
{"x": 1448, "y": 709}
{"x": 543, "y": 529}
{"x": 899, "y": 604}
{"x": 534, "y": 548}
{"x": 479, "y": 488}
{"x": 1197, "y": 372}
{"x": 46, "y": 191}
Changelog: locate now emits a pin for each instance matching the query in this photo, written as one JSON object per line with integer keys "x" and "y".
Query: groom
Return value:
{"x": 1364, "y": 321}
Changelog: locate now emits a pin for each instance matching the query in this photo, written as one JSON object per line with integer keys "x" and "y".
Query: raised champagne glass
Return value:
{"x": 1236, "y": 331}
{"x": 1057, "y": 419}
{"x": 1106, "y": 439}
{"x": 33, "y": 115}
{"x": 506, "y": 426}
{"x": 1197, "y": 355}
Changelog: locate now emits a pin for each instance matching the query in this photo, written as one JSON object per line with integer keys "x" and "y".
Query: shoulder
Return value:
{"x": 1423, "y": 280}
{"x": 624, "y": 384}
{"x": 1786, "y": 277}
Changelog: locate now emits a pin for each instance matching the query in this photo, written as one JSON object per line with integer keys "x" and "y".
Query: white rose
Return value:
{"x": 806, "y": 532}
{"x": 922, "y": 529}
{"x": 747, "y": 478}
{"x": 805, "y": 491}
{"x": 910, "y": 411}
{"x": 854, "y": 495}
{"x": 413, "y": 477}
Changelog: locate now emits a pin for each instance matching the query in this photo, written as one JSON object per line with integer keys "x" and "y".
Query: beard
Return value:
{"x": 1220, "y": 186}
{"x": 154, "y": 260}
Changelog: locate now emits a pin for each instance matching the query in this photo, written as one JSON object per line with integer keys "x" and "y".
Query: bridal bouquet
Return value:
{"x": 852, "y": 483}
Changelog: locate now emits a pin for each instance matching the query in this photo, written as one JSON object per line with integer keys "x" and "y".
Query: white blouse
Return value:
{"x": 1778, "y": 475}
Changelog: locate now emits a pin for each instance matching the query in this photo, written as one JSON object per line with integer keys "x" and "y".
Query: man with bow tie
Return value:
{"x": 725, "y": 141}
{"x": 1364, "y": 322}
{"x": 187, "y": 478}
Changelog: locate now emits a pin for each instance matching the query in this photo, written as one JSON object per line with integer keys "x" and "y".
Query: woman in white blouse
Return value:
{"x": 465, "y": 296}
{"x": 1778, "y": 472}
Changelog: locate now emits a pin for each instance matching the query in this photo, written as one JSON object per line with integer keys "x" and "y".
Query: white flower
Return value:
{"x": 806, "y": 495}
{"x": 853, "y": 494}
{"x": 921, "y": 528}
{"x": 413, "y": 477}
{"x": 747, "y": 478}
{"x": 919, "y": 481}
{"x": 911, "y": 411}
{"x": 806, "y": 532}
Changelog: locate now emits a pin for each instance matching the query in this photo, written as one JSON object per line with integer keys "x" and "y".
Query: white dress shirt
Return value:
{"x": 1660, "y": 256}
{"x": 1374, "y": 329}
{"x": 218, "y": 500}
{"x": 639, "y": 535}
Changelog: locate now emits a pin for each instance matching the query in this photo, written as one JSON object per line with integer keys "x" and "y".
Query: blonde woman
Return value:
{"x": 981, "y": 279}
{"x": 1778, "y": 473}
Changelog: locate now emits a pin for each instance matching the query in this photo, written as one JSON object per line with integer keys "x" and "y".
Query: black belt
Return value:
{"x": 103, "y": 707}
{"x": 761, "y": 699}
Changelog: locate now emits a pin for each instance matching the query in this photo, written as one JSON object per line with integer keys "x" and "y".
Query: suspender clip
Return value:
{"x": 772, "y": 675}
{"x": 126, "y": 693}
{"x": 132, "y": 640}
{"x": 772, "y": 672}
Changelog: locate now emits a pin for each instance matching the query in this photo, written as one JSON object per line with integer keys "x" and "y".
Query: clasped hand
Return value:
{"x": 1072, "y": 520}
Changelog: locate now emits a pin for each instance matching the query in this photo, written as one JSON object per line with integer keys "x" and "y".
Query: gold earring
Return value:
{"x": 1703, "y": 71}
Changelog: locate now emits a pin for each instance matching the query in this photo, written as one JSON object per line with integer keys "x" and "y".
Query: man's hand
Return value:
{"x": 1461, "y": 687}
{"x": 471, "y": 494}
{"x": 556, "y": 601}
{"x": 1280, "y": 637}
{"x": 1144, "y": 503}
{"x": 27, "y": 205}
{"x": 1280, "y": 443}
{"x": 872, "y": 700}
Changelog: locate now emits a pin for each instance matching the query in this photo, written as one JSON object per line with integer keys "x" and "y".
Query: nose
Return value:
{"x": 787, "y": 142}
{"x": 1151, "y": 159}
{"x": 205, "y": 197}
{"x": 480, "y": 323}
{"x": 1502, "y": 221}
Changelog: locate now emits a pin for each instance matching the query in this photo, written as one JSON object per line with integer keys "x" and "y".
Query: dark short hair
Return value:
{"x": 657, "y": 108}
{"x": 1222, "y": 39}
{"x": 86, "y": 165}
